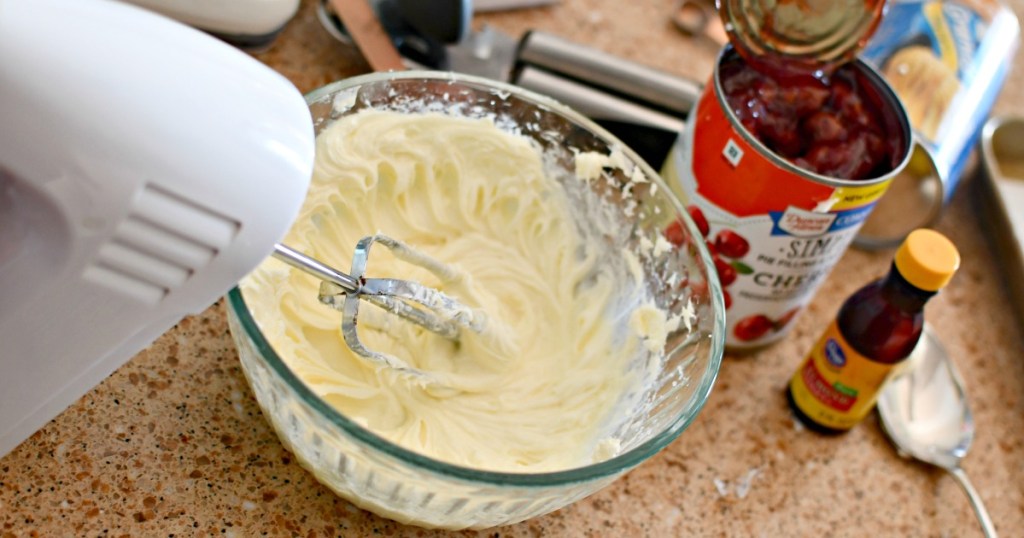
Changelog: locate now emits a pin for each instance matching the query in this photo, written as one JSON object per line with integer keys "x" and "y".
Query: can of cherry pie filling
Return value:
{"x": 779, "y": 173}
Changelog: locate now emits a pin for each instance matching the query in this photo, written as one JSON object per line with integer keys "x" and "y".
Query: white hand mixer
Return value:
{"x": 145, "y": 167}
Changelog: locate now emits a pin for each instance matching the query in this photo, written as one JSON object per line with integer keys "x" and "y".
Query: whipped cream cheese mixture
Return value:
{"x": 482, "y": 200}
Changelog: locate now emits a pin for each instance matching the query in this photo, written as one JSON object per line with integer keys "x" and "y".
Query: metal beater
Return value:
{"x": 425, "y": 306}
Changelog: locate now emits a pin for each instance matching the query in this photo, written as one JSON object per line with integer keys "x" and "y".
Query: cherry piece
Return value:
{"x": 731, "y": 244}
{"x": 726, "y": 272}
{"x": 675, "y": 234}
{"x": 785, "y": 318}
{"x": 698, "y": 218}
{"x": 780, "y": 133}
{"x": 805, "y": 97}
{"x": 711, "y": 248}
{"x": 824, "y": 127}
{"x": 752, "y": 327}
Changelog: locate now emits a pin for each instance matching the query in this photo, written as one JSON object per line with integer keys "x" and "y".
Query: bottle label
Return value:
{"x": 836, "y": 387}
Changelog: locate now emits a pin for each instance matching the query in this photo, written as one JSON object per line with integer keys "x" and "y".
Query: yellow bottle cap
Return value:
{"x": 927, "y": 259}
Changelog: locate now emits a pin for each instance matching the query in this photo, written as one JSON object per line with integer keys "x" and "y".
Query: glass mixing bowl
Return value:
{"x": 394, "y": 482}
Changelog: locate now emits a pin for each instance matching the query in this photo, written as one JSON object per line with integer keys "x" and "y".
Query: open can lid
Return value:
{"x": 800, "y": 35}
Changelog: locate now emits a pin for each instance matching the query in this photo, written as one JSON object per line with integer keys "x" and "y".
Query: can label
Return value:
{"x": 946, "y": 60}
{"x": 837, "y": 387}
{"x": 775, "y": 231}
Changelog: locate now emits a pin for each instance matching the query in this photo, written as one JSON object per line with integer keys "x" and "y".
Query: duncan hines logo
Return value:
{"x": 803, "y": 223}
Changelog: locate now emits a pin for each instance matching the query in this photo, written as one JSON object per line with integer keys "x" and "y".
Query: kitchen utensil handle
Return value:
{"x": 373, "y": 42}
{"x": 594, "y": 103}
{"x": 316, "y": 268}
{"x": 591, "y": 66}
{"x": 979, "y": 507}
{"x": 648, "y": 131}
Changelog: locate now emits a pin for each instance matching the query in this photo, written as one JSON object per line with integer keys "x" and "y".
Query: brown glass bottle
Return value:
{"x": 876, "y": 328}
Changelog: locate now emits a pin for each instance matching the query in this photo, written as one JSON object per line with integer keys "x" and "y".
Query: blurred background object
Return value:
{"x": 249, "y": 24}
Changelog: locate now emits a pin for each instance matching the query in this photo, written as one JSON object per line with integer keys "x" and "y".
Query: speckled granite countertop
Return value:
{"x": 173, "y": 443}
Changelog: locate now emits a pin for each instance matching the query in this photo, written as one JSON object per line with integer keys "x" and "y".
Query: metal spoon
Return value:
{"x": 925, "y": 413}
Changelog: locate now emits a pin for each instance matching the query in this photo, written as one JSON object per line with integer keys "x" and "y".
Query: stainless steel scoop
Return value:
{"x": 925, "y": 413}
{"x": 414, "y": 302}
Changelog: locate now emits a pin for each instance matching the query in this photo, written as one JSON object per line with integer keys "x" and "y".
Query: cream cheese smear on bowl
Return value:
{"x": 585, "y": 339}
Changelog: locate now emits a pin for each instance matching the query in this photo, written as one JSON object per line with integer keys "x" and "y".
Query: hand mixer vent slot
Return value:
{"x": 163, "y": 241}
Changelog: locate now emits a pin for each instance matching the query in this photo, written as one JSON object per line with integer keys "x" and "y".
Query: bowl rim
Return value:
{"x": 594, "y": 471}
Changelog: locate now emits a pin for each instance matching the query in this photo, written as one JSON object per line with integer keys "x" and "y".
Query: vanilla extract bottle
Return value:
{"x": 877, "y": 328}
